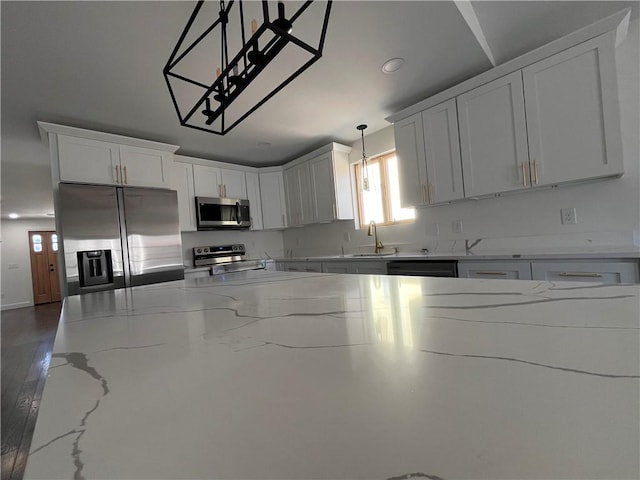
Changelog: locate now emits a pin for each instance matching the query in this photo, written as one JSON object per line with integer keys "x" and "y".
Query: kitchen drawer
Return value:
{"x": 302, "y": 267}
{"x": 337, "y": 267}
{"x": 495, "y": 270}
{"x": 587, "y": 271}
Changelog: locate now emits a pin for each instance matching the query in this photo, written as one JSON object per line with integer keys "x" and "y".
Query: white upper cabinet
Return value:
{"x": 253, "y": 195}
{"x": 90, "y": 161}
{"x": 322, "y": 189}
{"x": 573, "y": 118}
{"x": 318, "y": 187}
{"x": 554, "y": 120}
{"x": 297, "y": 187}
{"x": 234, "y": 184}
{"x": 493, "y": 139}
{"x": 86, "y": 156}
{"x": 182, "y": 182}
{"x": 412, "y": 169}
{"x": 442, "y": 151}
{"x": 144, "y": 167}
{"x": 273, "y": 200}
{"x": 207, "y": 181}
{"x": 219, "y": 182}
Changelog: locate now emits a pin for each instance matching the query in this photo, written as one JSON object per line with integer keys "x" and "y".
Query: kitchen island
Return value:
{"x": 292, "y": 375}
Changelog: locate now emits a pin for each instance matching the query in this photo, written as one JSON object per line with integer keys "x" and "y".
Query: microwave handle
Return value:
{"x": 238, "y": 212}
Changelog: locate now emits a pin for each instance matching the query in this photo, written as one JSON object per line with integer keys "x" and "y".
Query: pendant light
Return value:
{"x": 363, "y": 160}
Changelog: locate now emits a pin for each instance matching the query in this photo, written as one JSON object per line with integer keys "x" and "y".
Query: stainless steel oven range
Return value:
{"x": 225, "y": 259}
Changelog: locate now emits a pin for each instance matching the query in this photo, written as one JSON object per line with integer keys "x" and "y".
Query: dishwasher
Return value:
{"x": 423, "y": 268}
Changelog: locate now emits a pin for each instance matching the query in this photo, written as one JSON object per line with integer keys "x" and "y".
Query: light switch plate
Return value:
{"x": 568, "y": 216}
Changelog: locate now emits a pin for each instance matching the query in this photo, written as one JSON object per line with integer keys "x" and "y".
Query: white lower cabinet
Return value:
{"x": 600, "y": 271}
{"x": 586, "y": 271}
{"x": 376, "y": 267}
{"x": 301, "y": 267}
{"x": 337, "y": 267}
{"x": 495, "y": 270}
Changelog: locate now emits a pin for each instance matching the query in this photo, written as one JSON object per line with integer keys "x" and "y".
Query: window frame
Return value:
{"x": 386, "y": 196}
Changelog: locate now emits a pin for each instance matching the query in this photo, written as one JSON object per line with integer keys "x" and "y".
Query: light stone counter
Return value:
{"x": 291, "y": 375}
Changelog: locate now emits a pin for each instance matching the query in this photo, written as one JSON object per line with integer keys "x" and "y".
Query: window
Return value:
{"x": 381, "y": 203}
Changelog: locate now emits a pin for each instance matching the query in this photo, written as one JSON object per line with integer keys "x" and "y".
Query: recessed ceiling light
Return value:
{"x": 392, "y": 65}
{"x": 14, "y": 215}
{"x": 264, "y": 144}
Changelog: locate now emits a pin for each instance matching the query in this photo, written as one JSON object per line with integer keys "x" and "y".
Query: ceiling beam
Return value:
{"x": 469, "y": 15}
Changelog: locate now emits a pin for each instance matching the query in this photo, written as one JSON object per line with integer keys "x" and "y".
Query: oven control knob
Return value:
{"x": 199, "y": 250}
{"x": 206, "y": 250}
{"x": 234, "y": 248}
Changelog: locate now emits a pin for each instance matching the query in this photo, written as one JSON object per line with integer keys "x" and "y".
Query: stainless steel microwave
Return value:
{"x": 222, "y": 213}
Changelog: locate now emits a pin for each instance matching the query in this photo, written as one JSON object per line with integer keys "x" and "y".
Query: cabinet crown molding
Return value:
{"x": 332, "y": 147}
{"x": 45, "y": 128}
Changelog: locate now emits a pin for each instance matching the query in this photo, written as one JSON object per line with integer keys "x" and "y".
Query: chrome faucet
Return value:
{"x": 373, "y": 232}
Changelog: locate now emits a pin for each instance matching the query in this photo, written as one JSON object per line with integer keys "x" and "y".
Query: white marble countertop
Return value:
{"x": 277, "y": 375}
{"x": 560, "y": 253}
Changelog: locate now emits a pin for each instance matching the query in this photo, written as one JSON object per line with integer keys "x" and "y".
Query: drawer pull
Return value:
{"x": 491, "y": 273}
{"x": 579, "y": 274}
{"x": 535, "y": 171}
{"x": 524, "y": 175}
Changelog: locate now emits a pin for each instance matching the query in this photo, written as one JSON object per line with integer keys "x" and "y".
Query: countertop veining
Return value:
{"x": 291, "y": 375}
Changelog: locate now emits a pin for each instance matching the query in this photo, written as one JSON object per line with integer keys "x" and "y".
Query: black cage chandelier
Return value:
{"x": 234, "y": 56}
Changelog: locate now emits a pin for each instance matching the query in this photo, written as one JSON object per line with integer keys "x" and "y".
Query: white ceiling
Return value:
{"x": 98, "y": 65}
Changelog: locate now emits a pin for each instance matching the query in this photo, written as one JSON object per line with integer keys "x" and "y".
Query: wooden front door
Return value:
{"x": 43, "y": 247}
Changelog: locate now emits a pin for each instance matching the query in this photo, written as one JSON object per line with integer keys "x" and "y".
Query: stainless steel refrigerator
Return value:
{"x": 115, "y": 237}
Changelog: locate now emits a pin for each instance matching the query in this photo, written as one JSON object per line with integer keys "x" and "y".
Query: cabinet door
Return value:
{"x": 376, "y": 267}
{"x": 573, "y": 117}
{"x": 89, "y": 161}
{"x": 234, "y": 184}
{"x": 182, "y": 182}
{"x": 273, "y": 200}
{"x": 412, "y": 168}
{"x": 207, "y": 181}
{"x": 493, "y": 139}
{"x": 294, "y": 200}
{"x": 600, "y": 272}
{"x": 144, "y": 167}
{"x": 298, "y": 195}
{"x": 323, "y": 200}
{"x": 336, "y": 267}
{"x": 495, "y": 270}
{"x": 253, "y": 194}
{"x": 442, "y": 148}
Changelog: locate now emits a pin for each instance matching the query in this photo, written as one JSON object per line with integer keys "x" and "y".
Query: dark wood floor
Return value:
{"x": 27, "y": 340}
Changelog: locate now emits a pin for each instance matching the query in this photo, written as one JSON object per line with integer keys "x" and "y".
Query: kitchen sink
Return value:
{"x": 371, "y": 254}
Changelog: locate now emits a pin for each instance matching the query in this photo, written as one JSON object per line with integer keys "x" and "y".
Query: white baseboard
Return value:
{"x": 11, "y": 306}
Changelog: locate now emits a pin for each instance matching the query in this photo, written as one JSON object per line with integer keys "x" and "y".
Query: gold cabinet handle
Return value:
{"x": 424, "y": 194}
{"x": 430, "y": 192}
{"x": 535, "y": 171}
{"x": 335, "y": 215}
{"x": 117, "y": 173}
{"x": 491, "y": 273}
{"x": 225, "y": 191}
{"x": 524, "y": 175}
{"x": 580, "y": 274}
{"x": 125, "y": 174}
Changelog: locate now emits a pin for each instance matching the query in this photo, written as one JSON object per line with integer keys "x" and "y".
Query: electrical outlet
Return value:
{"x": 568, "y": 216}
{"x": 456, "y": 226}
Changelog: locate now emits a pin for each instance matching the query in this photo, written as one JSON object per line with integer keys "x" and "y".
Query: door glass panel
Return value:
{"x": 54, "y": 246}
{"x": 36, "y": 241}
